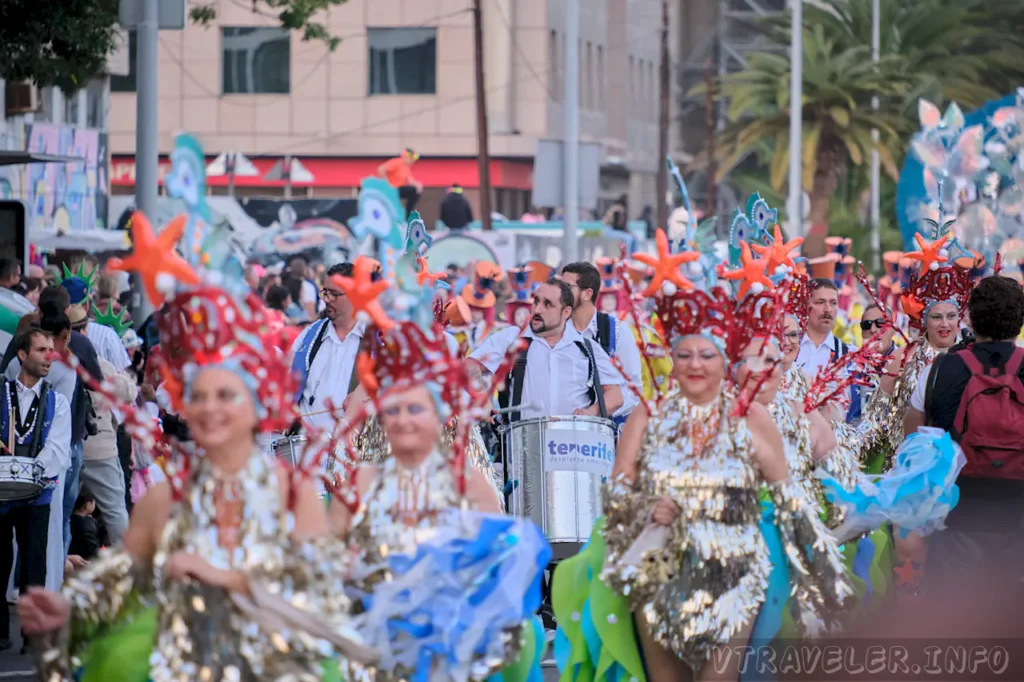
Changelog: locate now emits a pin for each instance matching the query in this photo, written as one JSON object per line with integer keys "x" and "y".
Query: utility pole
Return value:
{"x": 796, "y": 121}
{"x": 483, "y": 150}
{"x": 666, "y": 94}
{"x": 876, "y": 187}
{"x": 571, "y": 146}
{"x": 711, "y": 205}
{"x": 147, "y": 135}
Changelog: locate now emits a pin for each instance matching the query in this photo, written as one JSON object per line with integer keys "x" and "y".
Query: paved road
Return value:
{"x": 13, "y": 666}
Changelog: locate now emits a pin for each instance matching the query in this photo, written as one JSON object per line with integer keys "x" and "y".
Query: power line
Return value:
{"x": 278, "y": 98}
{"x": 320, "y": 139}
{"x": 519, "y": 51}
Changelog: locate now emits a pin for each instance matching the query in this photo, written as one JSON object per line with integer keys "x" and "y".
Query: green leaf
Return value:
{"x": 840, "y": 116}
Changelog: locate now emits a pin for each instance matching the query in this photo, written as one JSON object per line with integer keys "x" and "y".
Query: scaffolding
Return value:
{"x": 738, "y": 31}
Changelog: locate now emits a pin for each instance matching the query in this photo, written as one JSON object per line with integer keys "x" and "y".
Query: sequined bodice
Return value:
{"x": 402, "y": 504}
{"x": 702, "y": 455}
{"x": 794, "y": 384}
{"x": 795, "y": 428}
{"x": 200, "y": 634}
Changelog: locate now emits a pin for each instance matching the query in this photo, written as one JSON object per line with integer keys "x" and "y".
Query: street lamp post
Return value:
{"x": 796, "y": 213}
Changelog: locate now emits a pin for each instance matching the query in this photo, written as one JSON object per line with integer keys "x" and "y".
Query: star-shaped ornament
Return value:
{"x": 155, "y": 255}
{"x": 423, "y": 274}
{"x": 930, "y": 255}
{"x": 780, "y": 252}
{"x": 363, "y": 292}
{"x": 666, "y": 265}
{"x": 750, "y": 273}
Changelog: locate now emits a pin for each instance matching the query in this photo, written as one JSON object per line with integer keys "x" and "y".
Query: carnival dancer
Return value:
{"x": 934, "y": 301}
{"x": 35, "y": 423}
{"x": 613, "y": 335}
{"x": 227, "y": 550}
{"x": 694, "y": 574}
{"x": 428, "y": 523}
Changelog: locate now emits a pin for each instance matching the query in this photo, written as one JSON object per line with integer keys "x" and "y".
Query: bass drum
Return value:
{"x": 556, "y": 467}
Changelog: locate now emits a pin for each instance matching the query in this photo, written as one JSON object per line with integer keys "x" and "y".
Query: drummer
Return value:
{"x": 324, "y": 355}
{"x": 560, "y": 372}
{"x": 35, "y": 422}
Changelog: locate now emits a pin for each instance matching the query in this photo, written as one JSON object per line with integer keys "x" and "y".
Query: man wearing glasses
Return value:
{"x": 871, "y": 322}
{"x": 324, "y": 354}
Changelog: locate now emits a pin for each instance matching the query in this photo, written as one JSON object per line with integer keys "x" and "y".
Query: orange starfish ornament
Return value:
{"x": 362, "y": 292}
{"x": 424, "y": 276}
{"x": 666, "y": 265}
{"x": 929, "y": 253}
{"x": 155, "y": 255}
{"x": 750, "y": 272}
{"x": 780, "y": 252}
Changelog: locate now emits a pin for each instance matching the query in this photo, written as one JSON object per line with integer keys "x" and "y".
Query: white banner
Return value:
{"x": 587, "y": 452}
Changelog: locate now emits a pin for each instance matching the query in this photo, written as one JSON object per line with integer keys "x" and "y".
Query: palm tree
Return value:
{"x": 964, "y": 51}
{"x": 839, "y": 81}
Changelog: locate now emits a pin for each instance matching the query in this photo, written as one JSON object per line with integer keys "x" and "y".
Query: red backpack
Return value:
{"x": 990, "y": 419}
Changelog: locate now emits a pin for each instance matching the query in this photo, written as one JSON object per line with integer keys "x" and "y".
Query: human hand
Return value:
{"x": 184, "y": 566}
{"x": 665, "y": 512}
{"x": 587, "y": 411}
{"x": 148, "y": 393}
{"x": 77, "y": 561}
{"x": 41, "y": 610}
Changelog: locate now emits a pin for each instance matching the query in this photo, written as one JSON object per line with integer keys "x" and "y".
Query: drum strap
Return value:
{"x": 594, "y": 378}
{"x": 317, "y": 342}
{"x": 38, "y": 435}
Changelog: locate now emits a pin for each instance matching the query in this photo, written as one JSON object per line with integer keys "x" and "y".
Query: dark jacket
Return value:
{"x": 85, "y": 537}
{"x": 456, "y": 213}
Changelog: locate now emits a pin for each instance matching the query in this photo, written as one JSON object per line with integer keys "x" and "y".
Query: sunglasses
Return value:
{"x": 866, "y": 325}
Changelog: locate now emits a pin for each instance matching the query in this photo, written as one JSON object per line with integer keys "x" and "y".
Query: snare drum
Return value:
{"x": 21, "y": 478}
{"x": 559, "y": 464}
{"x": 291, "y": 449}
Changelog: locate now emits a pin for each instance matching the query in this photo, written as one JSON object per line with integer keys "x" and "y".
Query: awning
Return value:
{"x": 90, "y": 241}
{"x": 15, "y": 158}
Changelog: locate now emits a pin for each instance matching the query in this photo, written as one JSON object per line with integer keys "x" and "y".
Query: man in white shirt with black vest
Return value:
{"x": 324, "y": 355}
{"x": 613, "y": 335}
{"x": 561, "y": 372}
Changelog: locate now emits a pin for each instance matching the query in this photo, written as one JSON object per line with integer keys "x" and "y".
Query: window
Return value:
{"x": 601, "y": 79}
{"x": 403, "y": 61}
{"x": 632, "y": 86}
{"x": 127, "y": 83}
{"x": 256, "y": 60}
{"x": 96, "y": 104}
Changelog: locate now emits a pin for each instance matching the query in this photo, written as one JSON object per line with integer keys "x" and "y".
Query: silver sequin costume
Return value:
{"x": 708, "y": 582}
{"x": 200, "y": 634}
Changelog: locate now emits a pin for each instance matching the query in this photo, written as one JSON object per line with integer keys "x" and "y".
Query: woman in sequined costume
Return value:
{"x": 405, "y": 498}
{"x": 167, "y": 605}
{"x": 694, "y": 469}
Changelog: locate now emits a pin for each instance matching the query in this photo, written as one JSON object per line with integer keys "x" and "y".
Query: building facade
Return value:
{"x": 403, "y": 76}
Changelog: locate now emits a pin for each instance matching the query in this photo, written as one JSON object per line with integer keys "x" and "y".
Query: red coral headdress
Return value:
{"x": 717, "y": 315}
{"x": 949, "y": 284}
{"x": 209, "y": 327}
{"x": 798, "y": 297}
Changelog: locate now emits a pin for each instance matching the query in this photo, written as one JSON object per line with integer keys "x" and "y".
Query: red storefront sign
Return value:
{"x": 333, "y": 172}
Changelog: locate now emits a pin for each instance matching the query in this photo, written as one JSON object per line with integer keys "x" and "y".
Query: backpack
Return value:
{"x": 989, "y": 418}
{"x": 511, "y": 395}
{"x": 606, "y": 330}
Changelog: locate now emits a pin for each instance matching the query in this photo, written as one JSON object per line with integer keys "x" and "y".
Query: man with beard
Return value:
{"x": 324, "y": 355}
{"x": 560, "y": 372}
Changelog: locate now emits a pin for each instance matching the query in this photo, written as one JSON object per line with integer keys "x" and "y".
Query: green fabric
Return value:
{"x": 529, "y": 656}
{"x": 123, "y": 654}
{"x": 576, "y": 581}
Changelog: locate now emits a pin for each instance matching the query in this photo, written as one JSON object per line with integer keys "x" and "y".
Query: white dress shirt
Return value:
{"x": 330, "y": 374}
{"x": 108, "y": 345}
{"x": 556, "y": 377}
{"x": 812, "y": 358}
{"x": 55, "y": 454}
{"x": 628, "y": 355}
